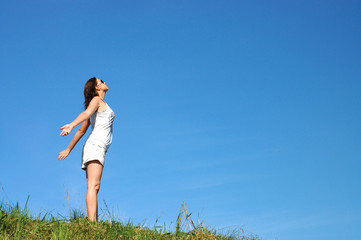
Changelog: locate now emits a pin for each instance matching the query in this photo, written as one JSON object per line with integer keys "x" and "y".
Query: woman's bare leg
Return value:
{"x": 93, "y": 175}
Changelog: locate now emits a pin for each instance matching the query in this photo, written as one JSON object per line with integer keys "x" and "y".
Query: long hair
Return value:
{"x": 89, "y": 91}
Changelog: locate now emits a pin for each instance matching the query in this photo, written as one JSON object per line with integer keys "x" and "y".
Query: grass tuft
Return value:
{"x": 18, "y": 223}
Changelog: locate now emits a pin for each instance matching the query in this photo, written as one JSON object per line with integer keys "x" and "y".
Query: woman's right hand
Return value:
{"x": 63, "y": 154}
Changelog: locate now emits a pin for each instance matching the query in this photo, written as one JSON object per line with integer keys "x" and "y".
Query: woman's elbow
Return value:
{"x": 81, "y": 132}
{"x": 86, "y": 115}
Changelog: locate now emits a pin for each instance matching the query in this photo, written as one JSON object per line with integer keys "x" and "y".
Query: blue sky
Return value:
{"x": 247, "y": 110}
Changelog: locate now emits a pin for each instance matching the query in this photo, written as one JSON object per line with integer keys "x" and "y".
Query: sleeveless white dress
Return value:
{"x": 100, "y": 138}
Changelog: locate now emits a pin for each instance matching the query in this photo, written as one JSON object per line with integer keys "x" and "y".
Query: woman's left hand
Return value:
{"x": 66, "y": 129}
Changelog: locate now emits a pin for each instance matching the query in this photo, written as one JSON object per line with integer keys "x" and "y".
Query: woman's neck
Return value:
{"x": 101, "y": 95}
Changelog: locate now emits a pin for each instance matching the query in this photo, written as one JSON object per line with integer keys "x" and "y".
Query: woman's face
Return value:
{"x": 101, "y": 85}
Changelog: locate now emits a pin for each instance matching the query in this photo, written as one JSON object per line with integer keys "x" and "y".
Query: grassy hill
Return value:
{"x": 18, "y": 223}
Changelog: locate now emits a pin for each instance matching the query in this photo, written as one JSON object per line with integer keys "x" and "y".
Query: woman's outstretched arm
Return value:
{"x": 78, "y": 135}
{"x": 93, "y": 107}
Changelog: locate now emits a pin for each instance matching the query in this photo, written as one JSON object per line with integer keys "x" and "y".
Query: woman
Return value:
{"x": 100, "y": 116}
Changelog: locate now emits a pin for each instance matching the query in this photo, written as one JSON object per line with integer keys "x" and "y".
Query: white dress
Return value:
{"x": 100, "y": 137}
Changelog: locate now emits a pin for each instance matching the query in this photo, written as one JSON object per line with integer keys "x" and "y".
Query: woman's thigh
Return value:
{"x": 94, "y": 172}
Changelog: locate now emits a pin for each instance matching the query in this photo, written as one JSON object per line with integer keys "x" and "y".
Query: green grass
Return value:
{"x": 18, "y": 223}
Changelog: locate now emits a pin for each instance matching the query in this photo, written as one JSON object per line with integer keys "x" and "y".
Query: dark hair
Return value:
{"x": 90, "y": 91}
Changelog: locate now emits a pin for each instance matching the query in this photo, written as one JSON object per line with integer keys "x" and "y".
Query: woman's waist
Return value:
{"x": 105, "y": 143}
{"x": 100, "y": 135}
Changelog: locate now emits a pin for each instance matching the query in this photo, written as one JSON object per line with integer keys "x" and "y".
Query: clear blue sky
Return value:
{"x": 247, "y": 110}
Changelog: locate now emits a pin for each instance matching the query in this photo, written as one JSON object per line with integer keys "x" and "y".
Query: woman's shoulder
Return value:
{"x": 96, "y": 102}
{"x": 96, "y": 99}
{"x": 102, "y": 105}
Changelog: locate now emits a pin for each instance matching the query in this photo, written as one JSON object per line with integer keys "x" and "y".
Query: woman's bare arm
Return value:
{"x": 93, "y": 107}
{"x": 78, "y": 135}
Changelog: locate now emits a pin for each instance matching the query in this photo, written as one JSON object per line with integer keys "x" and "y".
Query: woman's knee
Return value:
{"x": 94, "y": 185}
